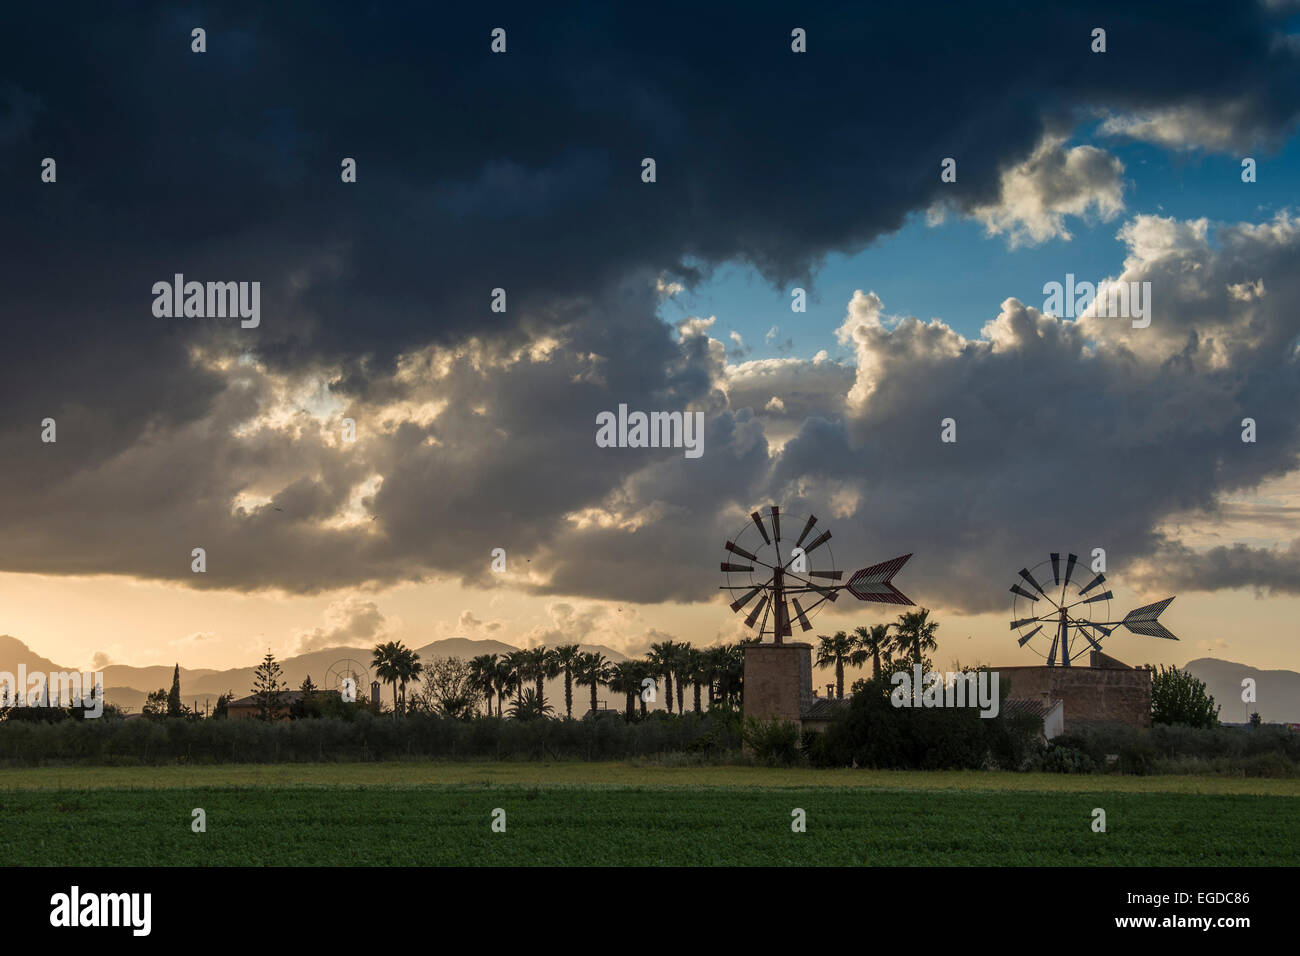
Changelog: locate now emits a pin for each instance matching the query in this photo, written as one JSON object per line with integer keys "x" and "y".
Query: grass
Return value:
{"x": 635, "y": 814}
{"x": 618, "y": 774}
{"x": 451, "y": 825}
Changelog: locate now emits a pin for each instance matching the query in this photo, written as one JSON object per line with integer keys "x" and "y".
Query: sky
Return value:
{"x": 523, "y": 170}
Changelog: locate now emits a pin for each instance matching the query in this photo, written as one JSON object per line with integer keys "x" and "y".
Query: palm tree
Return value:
{"x": 520, "y": 666}
{"x": 566, "y": 657}
{"x": 836, "y": 652}
{"x": 682, "y": 664}
{"x": 644, "y": 669}
{"x": 660, "y": 663}
{"x": 544, "y": 666}
{"x": 873, "y": 641}
{"x": 389, "y": 666}
{"x": 696, "y": 672}
{"x": 590, "y": 670}
{"x": 715, "y": 664}
{"x": 410, "y": 669}
{"x": 916, "y": 633}
{"x": 731, "y": 673}
{"x": 625, "y": 678}
{"x": 482, "y": 672}
{"x": 505, "y": 679}
{"x": 530, "y": 707}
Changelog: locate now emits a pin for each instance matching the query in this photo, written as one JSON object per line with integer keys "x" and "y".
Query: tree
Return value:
{"x": 450, "y": 689}
{"x": 540, "y": 665}
{"x": 222, "y": 709}
{"x": 644, "y": 670}
{"x": 660, "y": 664}
{"x": 530, "y": 707}
{"x": 836, "y": 651}
{"x": 728, "y": 665}
{"x": 591, "y": 670}
{"x": 565, "y": 657}
{"x": 307, "y": 704}
{"x": 505, "y": 679}
{"x": 625, "y": 678}
{"x": 174, "y": 706}
{"x": 520, "y": 670}
{"x": 1177, "y": 697}
{"x": 916, "y": 634}
{"x": 267, "y": 687}
{"x": 874, "y": 641}
{"x": 681, "y": 666}
{"x": 396, "y": 664}
{"x": 695, "y": 671}
{"x": 155, "y": 705}
{"x": 411, "y": 669}
{"x": 482, "y": 671}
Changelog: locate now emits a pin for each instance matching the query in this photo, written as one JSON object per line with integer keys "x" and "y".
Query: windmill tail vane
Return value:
{"x": 774, "y": 582}
{"x": 1142, "y": 620}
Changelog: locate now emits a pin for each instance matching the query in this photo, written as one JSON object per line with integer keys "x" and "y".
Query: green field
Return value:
{"x": 624, "y": 814}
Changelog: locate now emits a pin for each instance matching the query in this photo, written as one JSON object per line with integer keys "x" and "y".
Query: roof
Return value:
{"x": 286, "y": 697}
{"x": 823, "y": 708}
{"x": 1036, "y": 706}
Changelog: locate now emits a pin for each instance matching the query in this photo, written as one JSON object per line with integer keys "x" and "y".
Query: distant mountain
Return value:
{"x": 1277, "y": 693}
{"x": 127, "y": 686}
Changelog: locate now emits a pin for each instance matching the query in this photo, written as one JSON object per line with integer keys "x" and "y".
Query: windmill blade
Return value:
{"x": 744, "y": 599}
{"x": 758, "y": 520}
{"x": 1088, "y": 637}
{"x": 808, "y": 526}
{"x": 830, "y": 594}
{"x": 776, "y": 524}
{"x": 1025, "y": 640}
{"x": 732, "y": 547}
{"x": 1022, "y": 622}
{"x": 821, "y": 540}
{"x": 726, "y": 566}
{"x": 1093, "y": 583}
{"x": 1104, "y": 596}
{"x": 753, "y": 615}
{"x": 803, "y": 618}
{"x": 1017, "y": 589}
{"x": 827, "y": 575}
{"x": 872, "y": 584}
{"x": 1051, "y": 655}
{"x": 1070, "y": 562}
{"x": 1142, "y": 620}
{"x": 1100, "y": 628}
{"x": 1056, "y": 567}
{"x": 1024, "y": 573}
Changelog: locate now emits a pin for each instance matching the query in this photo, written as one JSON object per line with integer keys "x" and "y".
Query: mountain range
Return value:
{"x": 127, "y": 686}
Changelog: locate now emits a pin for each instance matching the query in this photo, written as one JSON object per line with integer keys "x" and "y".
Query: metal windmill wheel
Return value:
{"x": 1071, "y": 615}
{"x": 768, "y": 576}
{"x": 345, "y": 670}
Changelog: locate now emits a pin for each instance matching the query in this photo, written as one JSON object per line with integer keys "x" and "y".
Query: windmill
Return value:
{"x": 1077, "y": 616}
{"x": 347, "y": 677}
{"x": 771, "y": 579}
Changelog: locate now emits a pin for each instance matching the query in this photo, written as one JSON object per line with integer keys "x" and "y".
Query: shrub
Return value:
{"x": 361, "y": 736}
{"x": 1059, "y": 759}
{"x": 774, "y": 742}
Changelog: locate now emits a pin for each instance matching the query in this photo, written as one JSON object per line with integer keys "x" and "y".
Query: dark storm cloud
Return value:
{"x": 477, "y": 171}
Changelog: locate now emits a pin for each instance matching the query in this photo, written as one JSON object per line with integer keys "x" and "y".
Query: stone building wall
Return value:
{"x": 1104, "y": 694}
{"x": 778, "y": 680}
